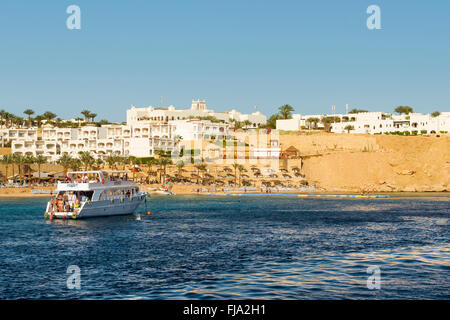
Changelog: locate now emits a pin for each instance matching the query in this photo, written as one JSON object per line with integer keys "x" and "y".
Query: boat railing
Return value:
{"x": 73, "y": 184}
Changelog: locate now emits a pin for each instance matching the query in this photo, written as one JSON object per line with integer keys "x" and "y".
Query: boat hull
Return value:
{"x": 103, "y": 208}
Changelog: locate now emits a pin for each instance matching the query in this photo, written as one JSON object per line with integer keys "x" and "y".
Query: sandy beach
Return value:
{"x": 178, "y": 190}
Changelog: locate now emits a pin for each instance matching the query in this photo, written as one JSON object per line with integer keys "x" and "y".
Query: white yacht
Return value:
{"x": 95, "y": 194}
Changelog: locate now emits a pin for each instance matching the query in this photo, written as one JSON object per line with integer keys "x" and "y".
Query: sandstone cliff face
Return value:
{"x": 338, "y": 162}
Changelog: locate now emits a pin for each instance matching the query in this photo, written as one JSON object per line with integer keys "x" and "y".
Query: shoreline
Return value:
{"x": 391, "y": 195}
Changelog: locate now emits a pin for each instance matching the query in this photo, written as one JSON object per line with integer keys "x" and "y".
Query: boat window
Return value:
{"x": 86, "y": 195}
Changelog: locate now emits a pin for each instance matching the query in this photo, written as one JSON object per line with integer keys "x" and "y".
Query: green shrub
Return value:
{"x": 423, "y": 131}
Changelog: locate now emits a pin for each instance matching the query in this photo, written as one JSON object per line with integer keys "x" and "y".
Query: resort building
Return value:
{"x": 198, "y": 109}
{"x": 50, "y": 133}
{"x": 7, "y": 135}
{"x": 140, "y": 141}
{"x": 199, "y": 129}
{"x": 149, "y": 130}
{"x": 372, "y": 123}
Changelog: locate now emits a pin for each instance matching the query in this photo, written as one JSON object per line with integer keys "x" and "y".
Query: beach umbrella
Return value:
{"x": 304, "y": 182}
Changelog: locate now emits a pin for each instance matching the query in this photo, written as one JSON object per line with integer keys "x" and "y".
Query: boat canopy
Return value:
{"x": 113, "y": 175}
{"x": 96, "y": 173}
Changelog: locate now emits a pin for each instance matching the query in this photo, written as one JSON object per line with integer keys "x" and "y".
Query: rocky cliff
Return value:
{"x": 342, "y": 162}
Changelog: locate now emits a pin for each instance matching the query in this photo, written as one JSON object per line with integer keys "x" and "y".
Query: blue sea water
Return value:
{"x": 199, "y": 247}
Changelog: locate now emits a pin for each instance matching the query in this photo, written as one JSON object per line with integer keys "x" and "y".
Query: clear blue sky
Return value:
{"x": 233, "y": 53}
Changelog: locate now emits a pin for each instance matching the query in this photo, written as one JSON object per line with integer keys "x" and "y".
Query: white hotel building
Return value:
{"x": 139, "y": 138}
{"x": 100, "y": 141}
{"x": 198, "y": 109}
{"x": 8, "y": 135}
{"x": 374, "y": 123}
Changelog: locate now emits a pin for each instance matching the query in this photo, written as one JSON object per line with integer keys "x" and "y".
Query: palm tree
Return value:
{"x": 98, "y": 163}
{"x": 58, "y": 122}
{"x": 19, "y": 160}
{"x": 404, "y": 109}
{"x": 2, "y": 117}
{"x": 132, "y": 160}
{"x": 237, "y": 125}
{"x": 6, "y": 160}
{"x": 435, "y": 114}
{"x": 86, "y": 114}
{"x": 86, "y": 159}
{"x": 66, "y": 162}
{"x": 29, "y": 112}
{"x": 161, "y": 153}
{"x": 326, "y": 122}
{"x": 75, "y": 164}
{"x": 124, "y": 161}
{"x": 163, "y": 163}
{"x": 40, "y": 160}
{"x": 92, "y": 116}
{"x": 200, "y": 168}
{"x": 149, "y": 162}
{"x": 6, "y": 116}
{"x": 38, "y": 119}
{"x": 78, "y": 119}
{"x": 240, "y": 168}
{"x": 313, "y": 120}
{"x": 286, "y": 111}
{"x": 49, "y": 116}
{"x": 247, "y": 123}
{"x": 180, "y": 165}
{"x": 358, "y": 111}
{"x": 111, "y": 161}
{"x": 18, "y": 121}
{"x": 28, "y": 161}
{"x": 349, "y": 128}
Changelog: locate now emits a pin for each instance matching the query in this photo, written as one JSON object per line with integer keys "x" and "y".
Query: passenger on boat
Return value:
{"x": 60, "y": 204}
{"x": 53, "y": 204}
{"x": 76, "y": 203}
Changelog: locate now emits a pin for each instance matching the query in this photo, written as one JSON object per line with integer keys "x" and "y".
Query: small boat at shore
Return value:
{"x": 95, "y": 194}
{"x": 164, "y": 192}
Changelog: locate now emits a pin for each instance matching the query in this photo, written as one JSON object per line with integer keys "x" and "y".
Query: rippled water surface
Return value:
{"x": 230, "y": 248}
